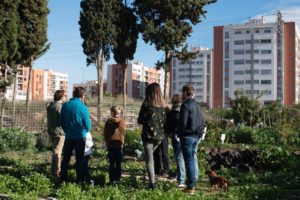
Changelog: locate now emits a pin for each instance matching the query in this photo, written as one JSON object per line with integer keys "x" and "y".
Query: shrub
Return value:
{"x": 243, "y": 134}
{"x": 16, "y": 140}
{"x": 43, "y": 141}
{"x": 37, "y": 183}
{"x": 133, "y": 142}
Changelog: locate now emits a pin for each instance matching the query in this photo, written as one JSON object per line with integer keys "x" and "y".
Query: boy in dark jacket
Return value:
{"x": 114, "y": 135}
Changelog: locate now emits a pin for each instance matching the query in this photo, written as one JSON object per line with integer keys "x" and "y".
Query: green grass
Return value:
{"x": 26, "y": 175}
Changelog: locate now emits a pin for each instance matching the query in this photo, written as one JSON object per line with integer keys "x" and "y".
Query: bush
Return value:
{"x": 16, "y": 140}
{"x": 43, "y": 141}
{"x": 133, "y": 142}
{"x": 242, "y": 134}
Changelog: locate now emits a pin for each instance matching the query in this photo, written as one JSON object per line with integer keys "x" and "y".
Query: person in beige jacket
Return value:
{"x": 114, "y": 135}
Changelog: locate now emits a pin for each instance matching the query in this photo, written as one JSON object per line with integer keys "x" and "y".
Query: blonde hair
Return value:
{"x": 176, "y": 99}
{"x": 115, "y": 110}
{"x": 154, "y": 95}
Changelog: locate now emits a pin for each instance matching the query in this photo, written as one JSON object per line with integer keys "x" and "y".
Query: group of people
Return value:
{"x": 69, "y": 128}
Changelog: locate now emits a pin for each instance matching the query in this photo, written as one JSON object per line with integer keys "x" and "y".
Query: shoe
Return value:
{"x": 91, "y": 183}
{"x": 181, "y": 185}
{"x": 190, "y": 191}
{"x": 152, "y": 186}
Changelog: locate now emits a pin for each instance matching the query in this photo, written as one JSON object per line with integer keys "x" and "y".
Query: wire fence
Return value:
{"x": 36, "y": 119}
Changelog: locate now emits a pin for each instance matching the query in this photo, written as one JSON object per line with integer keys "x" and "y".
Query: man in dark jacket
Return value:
{"x": 55, "y": 131}
{"x": 190, "y": 130}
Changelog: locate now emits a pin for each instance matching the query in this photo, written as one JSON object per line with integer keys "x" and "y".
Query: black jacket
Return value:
{"x": 172, "y": 124}
{"x": 191, "y": 119}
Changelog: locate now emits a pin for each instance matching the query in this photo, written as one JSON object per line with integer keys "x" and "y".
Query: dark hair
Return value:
{"x": 176, "y": 99}
{"x": 115, "y": 109}
{"x": 79, "y": 92}
{"x": 154, "y": 95}
{"x": 58, "y": 95}
{"x": 189, "y": 90}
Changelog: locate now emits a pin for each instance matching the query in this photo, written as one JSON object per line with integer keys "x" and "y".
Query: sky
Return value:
{"x": 66, "y": 54}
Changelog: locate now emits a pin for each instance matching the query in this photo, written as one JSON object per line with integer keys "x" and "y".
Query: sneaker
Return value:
{"x": 152, "y": 186}
{"x": 181, "y": 185}
{"x": 189, "y": 191}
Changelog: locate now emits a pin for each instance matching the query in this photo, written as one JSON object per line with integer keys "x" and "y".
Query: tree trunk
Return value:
{"x": 14, "y": 97}
{"x": 2, "y": 110}
{"x": 124, "y": 92}
{"x": 167, "y": 75}
{"x": 100, "y": 63}
{"x": 28, "y": 93}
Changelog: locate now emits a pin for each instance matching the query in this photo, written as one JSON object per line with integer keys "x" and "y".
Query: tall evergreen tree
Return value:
{"x": 167, "y": 24}
{"x": 126, "y": 42}
{"x": 98, "y": 30}
{"x": 8, "y": 41}
{"x": 32, "y": 35}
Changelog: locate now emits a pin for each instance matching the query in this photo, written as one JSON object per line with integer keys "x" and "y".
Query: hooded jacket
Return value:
{"x": 53, "y": 115}
{"x": 114, "y": 132}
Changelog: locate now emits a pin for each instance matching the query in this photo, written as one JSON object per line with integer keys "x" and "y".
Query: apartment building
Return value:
{"x": 43, "y": 85}
{"x": 197, "y": 72}
{"x": 258, "y": 59}
{"x": 138, "y": 78}
{"x": 91, "y": 87}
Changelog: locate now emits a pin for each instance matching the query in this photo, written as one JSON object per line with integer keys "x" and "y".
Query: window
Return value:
{"x": 239, "y": 42}
{"x": 201, "y": 55}
{"x": 247, "y": 51}
{"x": 265, "y": 82}
{"x": 238, "y": 72}
{"x": 256, "y": 71}
{"x": 174, "y": 74}
{"x": 226, "y": 45}
{"x": 238, "y": 32}
{"x": 256, "y": 31}
{"x": 266, "y": 71}
{"x": 199, "y": 62}
{"x": 226, "y": 35}
{"x": 208, "y": 56}
{"x": 267, "y": 31}
{"x": 248, "y": 31}
{"x": 239, "y": 82}
{"x": 226, "y": 83}
{"x": 255, "y": 41}
{"x": 239, "y": 62}
{"x": 266, "y": 51}
{"x": 266, "y": 61}
{"x": 181, "y": 76}
{"x": 226, "y": 53}
{"x": 199, "y": 90}
{"x": 239, "y": 52}
{"x": 181, "y": 69}
{"x": 254, "y": 82}
{"x": 256, "y": 61}
{"x": 266, "y": 41}
{"x": 226, "y": 73}
{"x": 266, "y": 92}
{"x": 247, "y": 41}
{"x": 256, "y": 51}
{"x": 226, "y": 63}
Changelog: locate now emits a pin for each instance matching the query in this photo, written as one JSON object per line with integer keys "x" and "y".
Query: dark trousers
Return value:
{"x": 115, "y": 158}
{"x": 86, "y": 169}
{"x": 161, "y": 157}
{"x": 69, "y": 146}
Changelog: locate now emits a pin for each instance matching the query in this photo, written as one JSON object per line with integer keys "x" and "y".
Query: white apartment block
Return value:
{"x": 258, "y": 59}
{"x": 197, "y": 72}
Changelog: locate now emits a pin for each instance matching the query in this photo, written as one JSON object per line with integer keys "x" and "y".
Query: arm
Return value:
{"x": 183, "y": 119}
{"x": 86, "y": 119}
{"x": 62, "y": 118}
{"x": 123, "y": 130}
{"x": 106, "y": 133}
{"x": 141, "y": 115}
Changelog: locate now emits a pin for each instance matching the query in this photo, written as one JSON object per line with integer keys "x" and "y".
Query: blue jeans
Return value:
{"x": 180, "y": 161}
{"x": 188, "y": 147}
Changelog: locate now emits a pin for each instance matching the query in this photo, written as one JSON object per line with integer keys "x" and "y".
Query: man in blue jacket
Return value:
{"x": 190, "y": 130}
{"x": 75, "y": 121}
